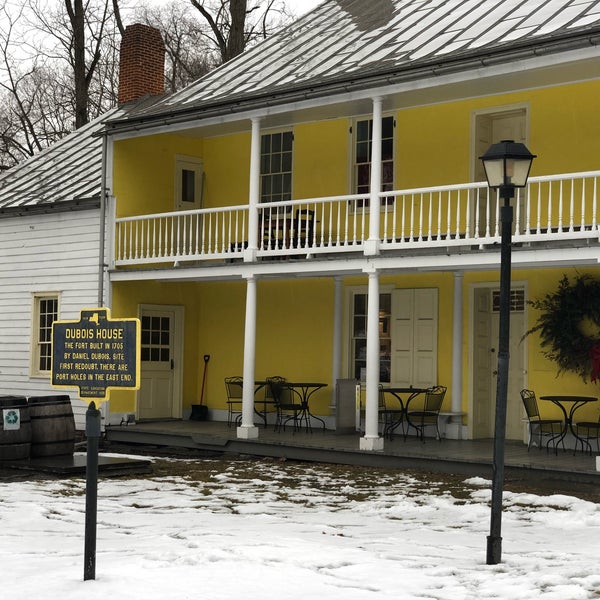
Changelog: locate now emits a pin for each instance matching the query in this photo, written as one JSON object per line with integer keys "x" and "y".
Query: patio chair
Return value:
{"x": 545, "y": 428}
{"x": 588, "y": 431}
{"x": 389, "y": 418}
{"x": 234, "y": 387}
{"x": 428, "y": 415}
{"x": 267, "y": 403}
{"x": 287, "y": 403}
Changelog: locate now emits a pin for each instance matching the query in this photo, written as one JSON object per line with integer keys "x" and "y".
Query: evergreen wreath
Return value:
{"x": 569, "y": 326}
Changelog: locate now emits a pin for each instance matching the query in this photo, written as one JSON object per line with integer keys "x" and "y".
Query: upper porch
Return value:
{"x": 554, "y": 213}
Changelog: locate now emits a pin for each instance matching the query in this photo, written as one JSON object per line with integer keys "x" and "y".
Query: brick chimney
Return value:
{"x": 142, "y": 68}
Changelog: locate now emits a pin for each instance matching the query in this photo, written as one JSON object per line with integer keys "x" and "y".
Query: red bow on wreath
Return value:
{"x": 595, "y": 356}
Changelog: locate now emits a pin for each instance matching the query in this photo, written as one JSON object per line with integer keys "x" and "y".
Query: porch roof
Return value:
{"x": 349, "y": 45}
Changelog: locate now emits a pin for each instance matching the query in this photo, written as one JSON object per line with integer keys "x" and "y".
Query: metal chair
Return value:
{"x": 588, "y": 430}
{"x": 546, "y": 428}
{"x": 234, "y": 387}
{"x": 288, "y": 403}
{"x": 428, "y": 415}
{"x": 389, "y": 418}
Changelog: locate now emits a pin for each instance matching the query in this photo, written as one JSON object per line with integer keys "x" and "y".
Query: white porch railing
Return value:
{"x": 558, "y": 207}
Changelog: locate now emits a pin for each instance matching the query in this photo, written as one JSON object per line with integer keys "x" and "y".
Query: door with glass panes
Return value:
{"x": 158, "y": 397}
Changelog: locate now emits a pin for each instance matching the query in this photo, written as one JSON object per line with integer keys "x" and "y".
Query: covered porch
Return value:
{"x": 452, "y": 229}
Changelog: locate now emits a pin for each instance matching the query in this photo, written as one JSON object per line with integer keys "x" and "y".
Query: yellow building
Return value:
{"x": 317, "y": 209}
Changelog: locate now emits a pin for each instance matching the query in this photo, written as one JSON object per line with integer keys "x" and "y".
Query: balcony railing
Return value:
{"x": 558, "y": 207}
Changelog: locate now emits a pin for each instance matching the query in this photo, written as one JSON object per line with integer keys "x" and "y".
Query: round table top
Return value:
{"x": 567, "y": 398}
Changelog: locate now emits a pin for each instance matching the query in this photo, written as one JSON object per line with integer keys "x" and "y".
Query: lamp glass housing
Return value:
{"x": 507, "y": 164}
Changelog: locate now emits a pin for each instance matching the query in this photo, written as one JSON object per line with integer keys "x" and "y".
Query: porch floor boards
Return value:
{"x": 461, "y": 457}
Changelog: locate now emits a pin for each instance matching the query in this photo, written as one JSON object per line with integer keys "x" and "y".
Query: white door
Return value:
{"x": 189, "y": 183}
{"x": 516, "y": 373}
{"x": 485, "y": 364}
{"x": 414, "y": 337}
{"x": 482, "y": 364}
{"x": 491, "y": 128}
{"x": 159, "y": 394}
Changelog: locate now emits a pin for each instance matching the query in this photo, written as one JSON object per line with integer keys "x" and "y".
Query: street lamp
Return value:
{"x": 507, "y": 166}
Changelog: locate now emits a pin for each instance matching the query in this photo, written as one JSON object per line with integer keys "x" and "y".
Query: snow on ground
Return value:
{"x": 229, "y": 529}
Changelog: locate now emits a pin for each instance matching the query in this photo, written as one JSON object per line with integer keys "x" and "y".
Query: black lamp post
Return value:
{"x": 507, "y": 166}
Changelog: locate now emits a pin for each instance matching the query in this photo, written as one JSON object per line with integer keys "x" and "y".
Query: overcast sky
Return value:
{"x": 302, "y": 6}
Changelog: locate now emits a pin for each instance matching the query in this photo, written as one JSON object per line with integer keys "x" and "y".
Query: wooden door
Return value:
{"x": 516, "y": 373}
{"x": 189, "y": 183}
{"x": 156, "y": 397}
{"x": 414, "y": 337}
{"x": 492, "y": 128}
{"x": 485, "y": 365}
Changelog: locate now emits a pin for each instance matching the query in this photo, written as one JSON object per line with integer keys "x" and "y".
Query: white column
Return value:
{"x": 371, "y": 439}
{"x": 454, "y": 427}
{"x": 336, "y": 345}
{"x": 336, "y": 371}
{"x": 254, "y": 192}
{"x": 372, "y": 244}
{"x": 247, "y": 429}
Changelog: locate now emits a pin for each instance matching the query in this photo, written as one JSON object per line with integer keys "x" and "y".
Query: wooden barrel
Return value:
{"x": 15, "y": 432}
{"x": 52, "y": 425}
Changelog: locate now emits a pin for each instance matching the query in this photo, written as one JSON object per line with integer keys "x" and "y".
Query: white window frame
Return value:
{"x": 36, "y": 333}
{"x": 264, "y": 173}
{"x": 351, "y": 292}
{"x": 354, "y": 165}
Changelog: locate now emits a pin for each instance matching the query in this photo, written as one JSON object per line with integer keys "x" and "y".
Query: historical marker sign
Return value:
{"x": 96, "y": 354}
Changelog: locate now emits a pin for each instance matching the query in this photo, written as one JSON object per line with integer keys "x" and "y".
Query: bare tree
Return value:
{"x": 81, "y": 32}
{"x": 235, "y": 24}
{"x": 60, "y": 69}
{"x": 188, "y": 52}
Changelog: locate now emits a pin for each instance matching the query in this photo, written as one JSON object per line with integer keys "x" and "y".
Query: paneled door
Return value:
{"x": 485, "y": 363}
{"x": 491, "y": 128}
{"x": 159, "y": 396}
{"x": 414, "y": 337}
{"x": 189, "y": 183}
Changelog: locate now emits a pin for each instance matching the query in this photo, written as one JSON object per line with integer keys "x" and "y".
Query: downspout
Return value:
{"x": 102, "y": 247}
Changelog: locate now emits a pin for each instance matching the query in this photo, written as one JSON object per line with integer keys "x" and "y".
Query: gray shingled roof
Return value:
{"x": 354, "y": 40}
{"x": 67, "y": 172}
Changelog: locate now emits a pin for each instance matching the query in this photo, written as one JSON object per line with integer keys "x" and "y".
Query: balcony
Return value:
{"x": 551, "y": 209}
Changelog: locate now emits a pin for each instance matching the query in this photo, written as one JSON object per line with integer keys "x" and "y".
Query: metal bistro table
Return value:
{"x": 398, "y": 392}
{"x": 306, "y": 389}
{"x": 575, "y": 403}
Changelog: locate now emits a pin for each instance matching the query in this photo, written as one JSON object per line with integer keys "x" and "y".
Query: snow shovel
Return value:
{"x": 200, "y": 411}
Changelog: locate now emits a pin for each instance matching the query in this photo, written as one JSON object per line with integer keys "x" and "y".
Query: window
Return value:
{"x": 362, "y": 156}
{"x": 45, "y": 312}
{"x": 359, "y": 337}
{"x": 517, "y": 300}
{"x": 276, "y": 166}
{"x": 156, "y": 339}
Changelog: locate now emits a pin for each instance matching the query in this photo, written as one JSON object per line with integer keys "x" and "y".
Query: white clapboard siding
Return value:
{"x": 55, "y": 252}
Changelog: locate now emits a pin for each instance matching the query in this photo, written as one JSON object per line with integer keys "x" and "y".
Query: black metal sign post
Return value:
{"x": 95, "y": 354}
{"x": 92, "y": 432}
